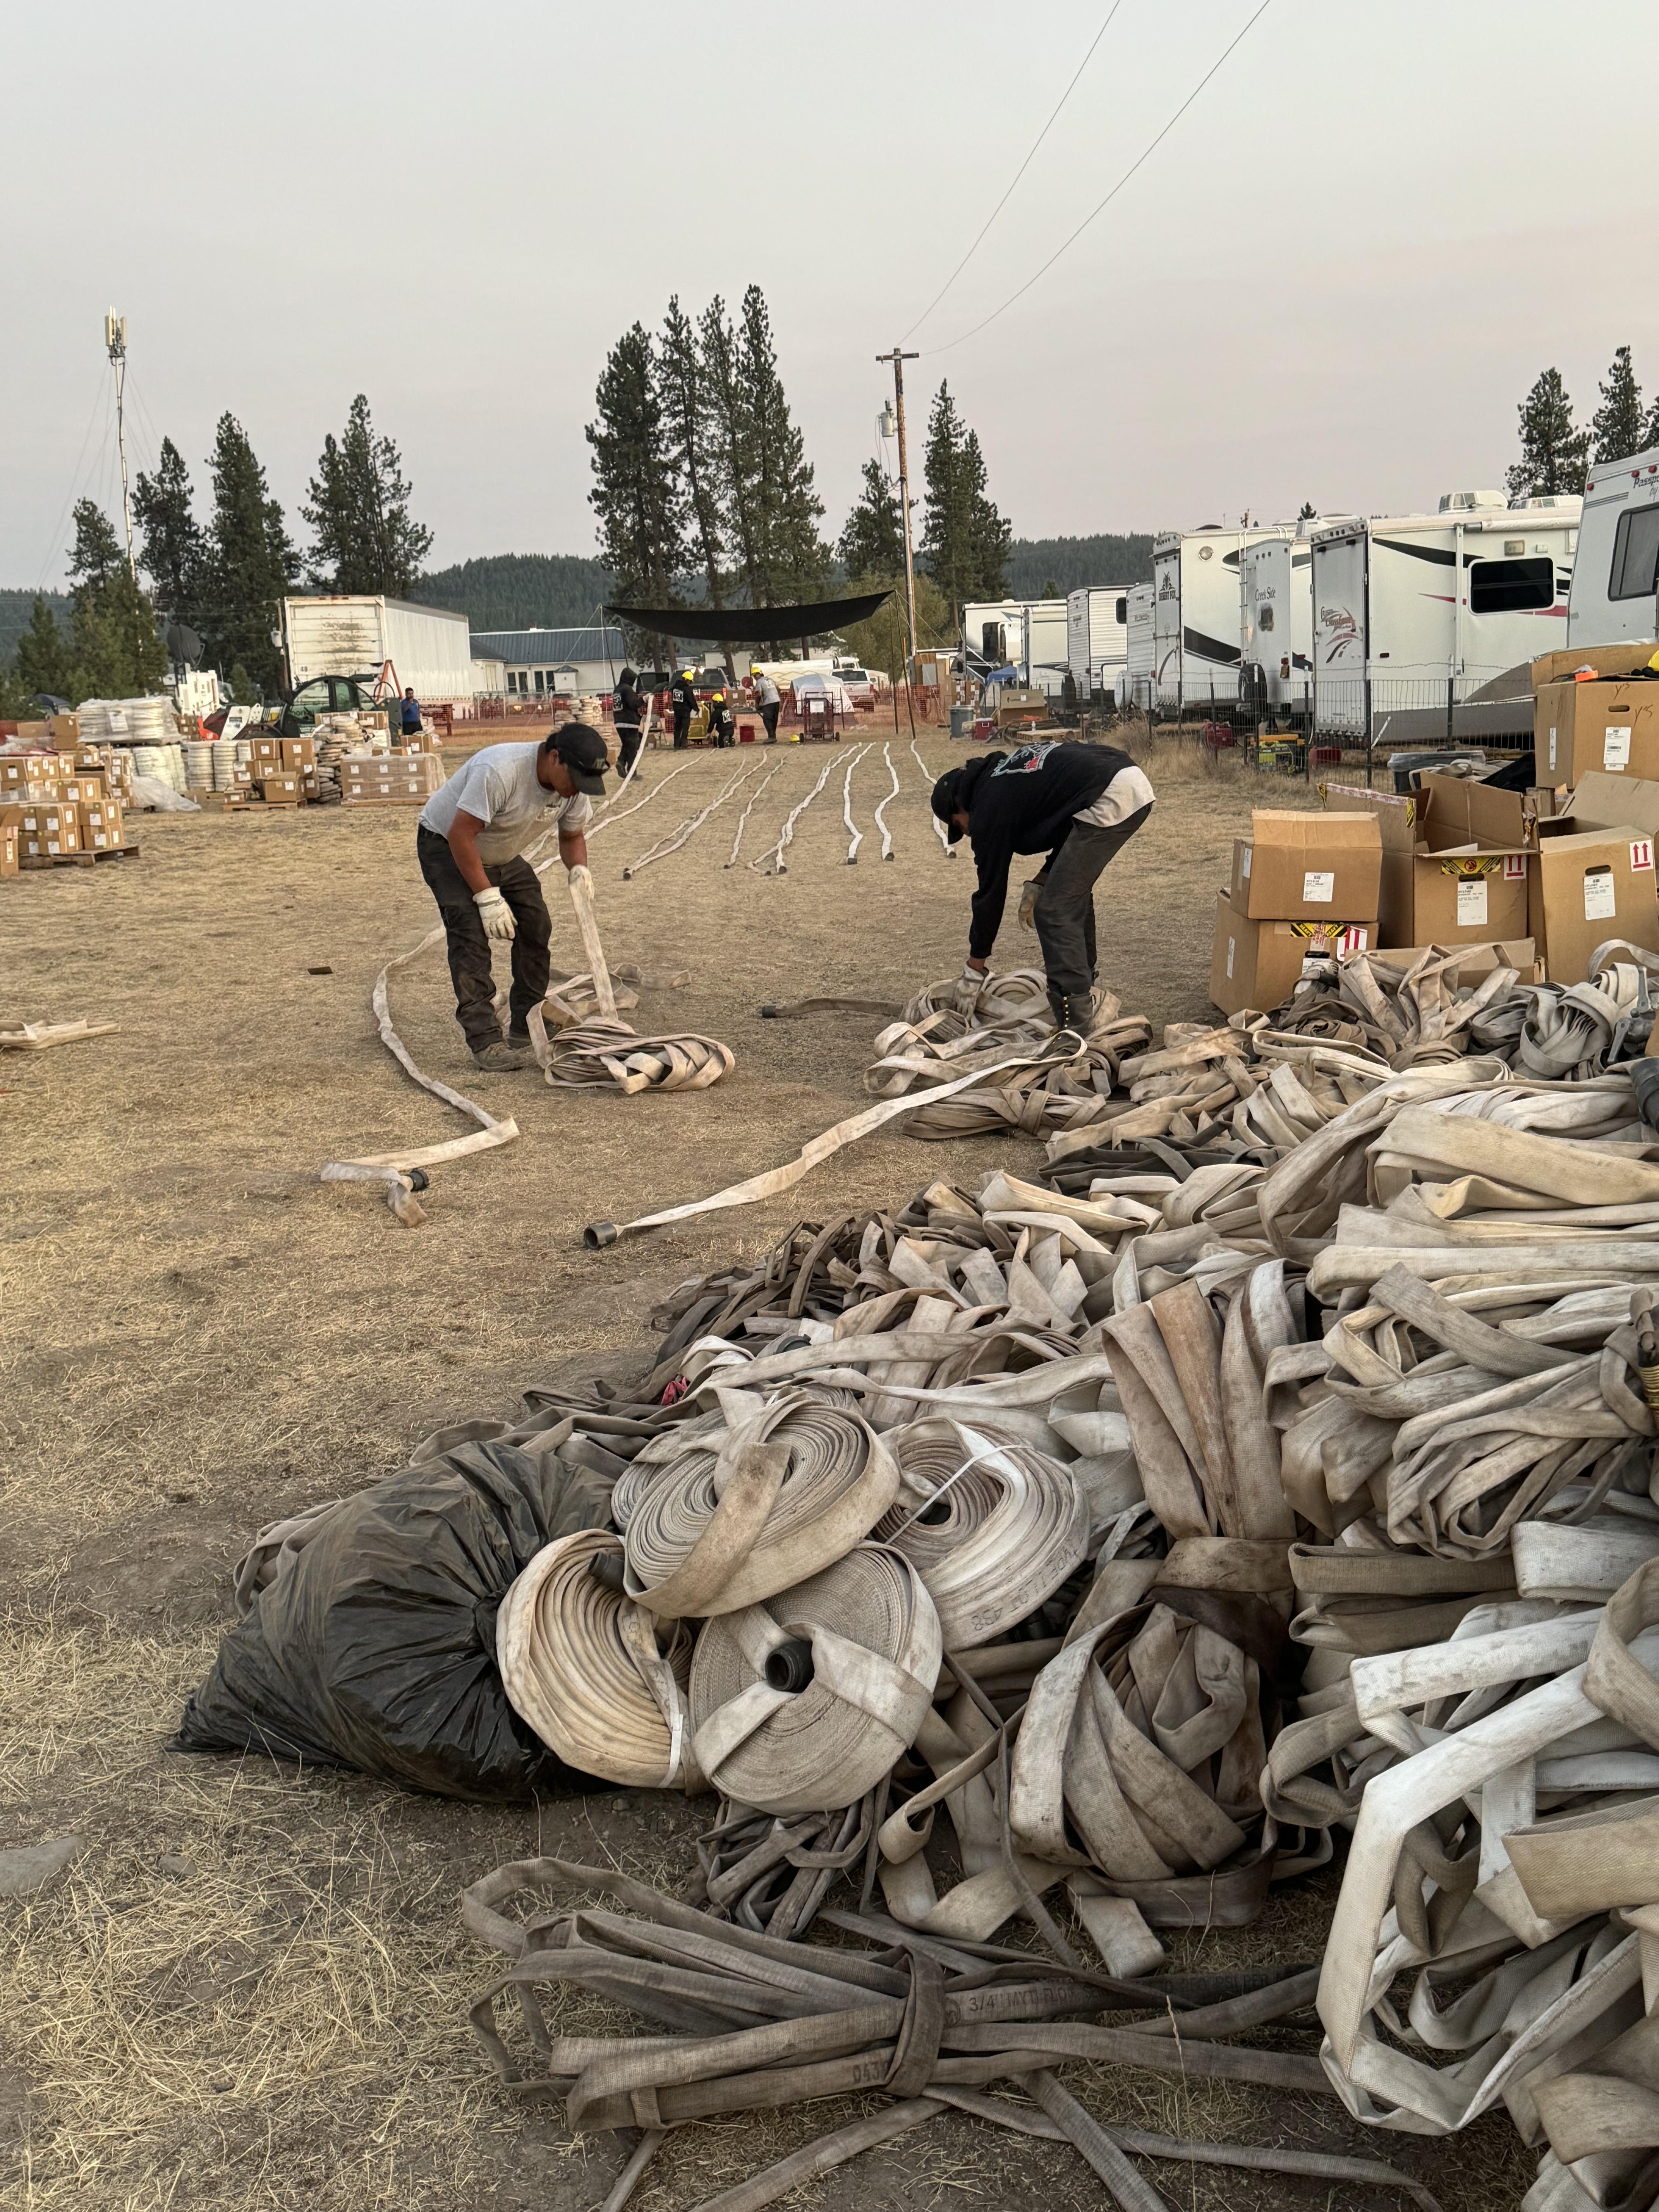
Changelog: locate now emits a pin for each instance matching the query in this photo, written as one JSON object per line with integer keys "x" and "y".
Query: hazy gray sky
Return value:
{"x": 1333, "y": 280}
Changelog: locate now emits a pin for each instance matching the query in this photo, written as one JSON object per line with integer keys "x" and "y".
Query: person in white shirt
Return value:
{"x": 470, "y": 843}
{"x": 767, "y": 699}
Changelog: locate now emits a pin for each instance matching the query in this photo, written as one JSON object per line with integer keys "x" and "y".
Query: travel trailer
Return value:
{"x": 1415, "y": 613}
{"x": 1029, "y": 634}
{"x": 1275, "y": 678}
{"x": 1197, "y": 614}
{"x": 1616, "y": 571}
{"x": 1096, "y": 636}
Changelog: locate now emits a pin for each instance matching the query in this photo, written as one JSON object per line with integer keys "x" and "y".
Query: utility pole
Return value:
{"x": 898, "y": 359}
{"x": 115, "y": 342}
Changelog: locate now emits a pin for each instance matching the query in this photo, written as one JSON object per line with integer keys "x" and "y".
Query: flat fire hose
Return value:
{"x": 599, "y": 1234}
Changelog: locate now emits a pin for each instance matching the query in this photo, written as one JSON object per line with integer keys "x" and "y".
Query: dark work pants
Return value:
{"x": 627, "y": 744}
{"x": 1065, "y": 910}
{"x": 469, "y": 947}
{"x": 769, "y": 716}
{"x": 682, "y": 728}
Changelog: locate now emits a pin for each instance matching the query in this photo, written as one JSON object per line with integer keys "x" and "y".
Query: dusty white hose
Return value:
{"x": 676, "y": 838}
{"x": 929, "y": 780}
{"x": 743, "y": 819}
{"x": 856, "y": 833}
{"x": 774, "y": 853}
{"x": 886, "y": 834}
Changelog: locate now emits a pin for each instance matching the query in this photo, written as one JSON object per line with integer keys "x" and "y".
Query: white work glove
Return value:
{"x": 495, "y": 915}
{"x": 1028, "y": 899}
{"x": 970, "y": 984}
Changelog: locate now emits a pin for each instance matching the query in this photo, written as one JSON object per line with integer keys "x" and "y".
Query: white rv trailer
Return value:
{"x": 1197, "y": 613}
{"x": 1276, "y": 599}
{"x": 1412, "y": 613}
{"x": 1139, "y": 678}
{"x": 1097, "y": 634}
{"x": 1031, "y": 633}
{"x": 1616, "y": 571}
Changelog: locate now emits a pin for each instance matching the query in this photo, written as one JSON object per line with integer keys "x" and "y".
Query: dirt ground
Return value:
{"x": 251, "y": 1990}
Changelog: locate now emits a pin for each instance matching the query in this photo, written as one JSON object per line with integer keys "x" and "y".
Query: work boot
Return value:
{"x": 502, "y": 1057}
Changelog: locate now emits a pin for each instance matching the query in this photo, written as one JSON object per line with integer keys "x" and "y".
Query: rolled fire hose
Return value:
{"x": 993, "y": 1526}
{"x": 608, "y": 1055}
{"x": 599, "y": 1679}
{"x": 802, "y": 1703}
{"x": 793, "y": 1488}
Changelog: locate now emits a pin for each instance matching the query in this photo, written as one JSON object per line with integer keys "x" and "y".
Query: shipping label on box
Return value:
{"x": 8, "y": 852}
{"x": 1610, "y": 728}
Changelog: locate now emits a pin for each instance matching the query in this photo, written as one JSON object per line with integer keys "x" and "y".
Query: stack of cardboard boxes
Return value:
{"x": 390, "y": 779}
{"x": 57, "y": 804}
{"x": 1303, "y": 886}
{"x": 1551, "y": 873}
{"x": 282, "y": 771}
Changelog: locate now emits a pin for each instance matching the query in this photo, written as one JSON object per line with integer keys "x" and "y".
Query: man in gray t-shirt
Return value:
{"x": 470, "y": 843}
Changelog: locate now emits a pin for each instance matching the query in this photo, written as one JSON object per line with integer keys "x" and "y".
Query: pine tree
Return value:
{"x": 687, "y": 431}
{"x": 873, "y": 543}
{"x": 1307, "y": 512}
{"x": 367, "y": 540}
{"x": 794, "y": 558}
{"x": 731, "y": 444}
{"x": 1553, "y": 454}
{"x": 42, "y": 662}
{"x": 965, "y": 539}
{"x": 636, "y": 495}
{"x": 252, "y": 563}
{"x": 174, "y": 551}
{"x": 115, "y": 650}
{"x": 1616, "y": 431}
{"x": 1051, "y": 591}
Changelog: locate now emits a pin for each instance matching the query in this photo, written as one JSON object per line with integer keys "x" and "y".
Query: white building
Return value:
{"x": 536, "y": 662}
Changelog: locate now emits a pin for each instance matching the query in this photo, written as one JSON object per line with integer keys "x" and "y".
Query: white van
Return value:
{"x": 1617, "y": 569}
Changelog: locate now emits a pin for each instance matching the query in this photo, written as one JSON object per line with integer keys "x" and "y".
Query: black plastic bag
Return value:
{"x": 374, "y": 1647}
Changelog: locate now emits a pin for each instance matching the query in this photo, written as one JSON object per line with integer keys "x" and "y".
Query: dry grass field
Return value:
{"x": 250, "y": 1992}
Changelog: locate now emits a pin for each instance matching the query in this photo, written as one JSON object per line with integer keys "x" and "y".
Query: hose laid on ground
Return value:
{"x": 856, "y": 833}
{"x": 791, "y": 1489}
{"x": 737, "y": 842}
{"x": 992, "y": 1525}
{"x": 927, "y": 782}
{"x": 774, "y": 853}
{"x": 687, "y": 828}
{"x": 802, "y": 1703}
{"x": 886, "y": 834}
{"x": 596, "y": 1676}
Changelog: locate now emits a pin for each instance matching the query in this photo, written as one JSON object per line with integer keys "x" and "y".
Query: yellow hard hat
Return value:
{"x": 755, "y": 668}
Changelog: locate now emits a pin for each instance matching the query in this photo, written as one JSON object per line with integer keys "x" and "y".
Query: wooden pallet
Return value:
{"x": 128, "y": 851}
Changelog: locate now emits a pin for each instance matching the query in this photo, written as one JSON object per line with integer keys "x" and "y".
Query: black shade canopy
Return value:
{"x": 730, "y": 625}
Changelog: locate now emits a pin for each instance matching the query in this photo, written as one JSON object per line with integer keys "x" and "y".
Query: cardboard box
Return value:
{"x": 1259, "y": 963}
{"x": 264, "y": 749}
{"x": 1593, "y": 885}
{"x": 1308, "y": 868}
{"x": 102, "y": 825}
{"x": 278, "y": 789}
{"x": 8, "y": 849}
{"x": 65, "y": 731}
{"x": 1623, "y": 659}
{"x": 1612, "y": 727}
{"x": 223, "y": 802}
{"x": 297, "y": 753}
{"x": 81, "y": 790}
{"x": 1456, "y": 860}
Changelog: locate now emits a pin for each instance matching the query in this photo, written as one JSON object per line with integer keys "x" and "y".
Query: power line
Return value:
{"x": 100, "y": 404}
{"x": 1018, "y": 173}
{"x": 951, "y": 343}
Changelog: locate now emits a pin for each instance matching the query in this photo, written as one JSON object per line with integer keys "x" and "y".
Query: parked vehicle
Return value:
{"x": 1137, "y": 681}
{"x": 1097, "y": 637}
{"x": 1413, "y": 613}
{"x": 1275, "y": 676}
{"x": 358, "y": 634}
{"x": 1197, "y": 625}
{"x": 1030, "y": 633}
{"x": 1616, "y": 572}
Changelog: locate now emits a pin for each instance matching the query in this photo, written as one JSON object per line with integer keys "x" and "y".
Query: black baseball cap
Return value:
{"x": 582, "y": 751}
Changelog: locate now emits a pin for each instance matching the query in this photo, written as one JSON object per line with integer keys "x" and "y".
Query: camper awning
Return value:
{"x": 758, "y": 625}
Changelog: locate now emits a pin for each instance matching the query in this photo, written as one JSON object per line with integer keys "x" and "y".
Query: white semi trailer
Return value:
{"x": 1413, "y": 613}
{"x": 360, "y": 635}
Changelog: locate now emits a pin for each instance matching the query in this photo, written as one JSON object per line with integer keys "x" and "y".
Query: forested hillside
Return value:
{"x": 519, "y": 590}
{"x": 1070, "y": 563}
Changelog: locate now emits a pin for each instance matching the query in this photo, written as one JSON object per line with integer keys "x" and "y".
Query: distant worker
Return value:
{"x": 766, "y": 698}
{"x": 1079, "y": 804}
{"x": 629, "y": 713}
{"x": 470, "y": 840}
{"x": 722, "y": 723}
{"x": 683, "y": 698}
{"x": 410, "y": 716}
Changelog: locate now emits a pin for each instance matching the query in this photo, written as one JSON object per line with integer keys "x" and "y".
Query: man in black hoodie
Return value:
{"x": 629, "y": 713}
{"x": 1077, "y": 803}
